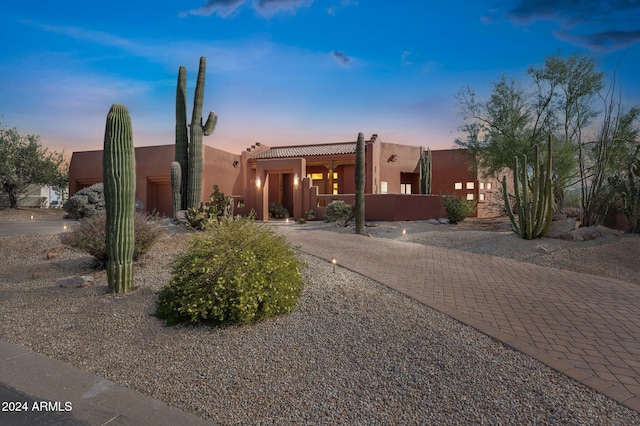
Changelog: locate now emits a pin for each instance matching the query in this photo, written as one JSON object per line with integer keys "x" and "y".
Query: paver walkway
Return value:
{"x": 584, "y": 326}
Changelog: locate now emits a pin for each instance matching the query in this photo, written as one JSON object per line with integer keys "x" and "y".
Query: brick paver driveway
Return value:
{"x": 584, "y": 326}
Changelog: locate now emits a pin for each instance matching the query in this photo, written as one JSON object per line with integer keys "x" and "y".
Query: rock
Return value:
{"x": 584, "y": 234}
{"x": 75, "y": 282}
{"x": 433, "y": 221}
{"x": 558, "y": 216}
{"x": 443, "y": 220}
{"x": 560, "y": 228}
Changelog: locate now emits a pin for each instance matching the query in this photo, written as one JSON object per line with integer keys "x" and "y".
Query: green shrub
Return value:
{"x": 219, "y": 206}
{"x": 338, "y": 210}
{"x": 89, "y": 201}
{"x": 457, "y": 209}
{"x": 237, "y": 271}
{"x": 89, "y": 235}
{"x": 86, "y": 202}
{"x": 278, "y": 211}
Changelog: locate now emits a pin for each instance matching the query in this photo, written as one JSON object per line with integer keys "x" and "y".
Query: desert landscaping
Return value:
{"x": 336, "y": 357}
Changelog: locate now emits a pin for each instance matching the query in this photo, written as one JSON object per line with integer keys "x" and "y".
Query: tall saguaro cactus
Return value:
{"x": 176, "y": 185}
{"x": 358, "y": 206}
{"x": 119, "y": 167}
{"x": 182, "y": 136}
{"x": 425, "y": 171}
{"x": 189, "y": 149}
{"x": 533, "y": 195}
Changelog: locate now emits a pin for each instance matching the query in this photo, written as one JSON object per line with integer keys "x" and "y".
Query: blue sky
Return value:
{"x": 287, "y": 72}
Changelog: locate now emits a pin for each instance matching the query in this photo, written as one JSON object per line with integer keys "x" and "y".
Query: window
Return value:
{"x": 470, "y": 197}
{"x": 470, "y": 185}
{"x": 315, "y": 176}
{"x": 458, "y": 185}
{"x": 405, "y": 188}
{"x": 488, "y": 185}
{"x": 481, "y": 185}
{"x": 335, "y": 188}
{"x": 480, "y": 197}
{"x": 383, "y": 187}
{"x": 335, "y": 175}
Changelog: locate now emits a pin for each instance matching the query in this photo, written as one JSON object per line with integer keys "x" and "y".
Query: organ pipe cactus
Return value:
{"x": 176, "y": 185}
{"x": 425, "y": 171}
{"x": 533, "y": 196}
{"x": 189, "y": 150}
{"x": 358, "y": 206}
{"x": 119, "y": 167}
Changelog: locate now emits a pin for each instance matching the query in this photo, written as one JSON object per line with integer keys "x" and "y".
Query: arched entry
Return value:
{"x": 278, "y": 180}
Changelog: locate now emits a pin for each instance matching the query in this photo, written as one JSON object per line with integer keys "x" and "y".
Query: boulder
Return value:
{"x": 443, "y": 220}
{"x": 584, "y": 234}
{"x": 433, "y": 221}
{"x": 560, "y": 228}
{"x": 75, "y": 282}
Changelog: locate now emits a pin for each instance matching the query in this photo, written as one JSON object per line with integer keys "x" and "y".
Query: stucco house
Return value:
{"x": 308, "y": 177}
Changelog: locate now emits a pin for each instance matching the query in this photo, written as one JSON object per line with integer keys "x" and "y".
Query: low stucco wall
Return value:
{"x": 392, "y": 207}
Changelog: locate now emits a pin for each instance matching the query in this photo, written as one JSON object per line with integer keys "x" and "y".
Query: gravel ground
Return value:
{"x": 352, "y": 352}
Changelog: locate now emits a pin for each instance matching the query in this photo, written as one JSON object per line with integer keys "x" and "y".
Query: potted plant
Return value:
{"x": 310, "y": 215}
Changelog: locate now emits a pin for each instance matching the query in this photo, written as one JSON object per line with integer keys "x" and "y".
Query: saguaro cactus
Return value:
{"x": 534, "y": 197}
{"x": 119, "y": 167}
{"x": 190, "y": 158}
{"x": 425, "y": 171}
{"x": 176, "y": 185}
{"x": 358, "y": 206}
{"x": 182, "y": 136}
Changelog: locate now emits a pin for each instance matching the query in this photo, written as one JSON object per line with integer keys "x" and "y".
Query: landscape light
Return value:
{"x": 334, "y": 262}
{"x": 404, "y": 231}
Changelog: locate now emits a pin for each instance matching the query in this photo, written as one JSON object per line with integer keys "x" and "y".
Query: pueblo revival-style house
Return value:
{"x": 308, "y": 177}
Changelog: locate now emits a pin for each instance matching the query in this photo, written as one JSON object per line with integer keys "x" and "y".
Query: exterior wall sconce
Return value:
{"x": 258, "y": 182}
{"x": 296, "y": 180}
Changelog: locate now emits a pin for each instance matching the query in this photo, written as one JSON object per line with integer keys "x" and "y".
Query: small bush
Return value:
{"x": 236, "y": 272}
{"x": 86, "y": 202}
{"x": 457, "y": 209}
{"x": 218, "y": 207}
{"x": 90, "y": 235}
{"x": 278, "y": 211}
{"x": 89, "y": 201}
{"x": 338, "y": 210}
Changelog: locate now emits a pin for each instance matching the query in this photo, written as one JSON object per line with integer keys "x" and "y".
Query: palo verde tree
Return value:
{"x": 24, "y": 161}
{"x": 514, "y": 120}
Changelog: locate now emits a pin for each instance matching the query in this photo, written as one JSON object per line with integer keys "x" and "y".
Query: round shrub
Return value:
{"x": 86, "y": 202}
{"x": 89, "y": 201}
{"x": 237, "y": 271}
{"x": 457, "y": 209}
{"x": 90, "y": 237}
{"x": 337, "y": 210}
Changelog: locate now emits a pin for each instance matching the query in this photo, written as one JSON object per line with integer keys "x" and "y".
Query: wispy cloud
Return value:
{"x": 102, "y": 38}
{"x": 222, "y": 8}
{"x": 340, "y": 57}
{"x": 598, "y": 25}
{"x": 267, "y": 8}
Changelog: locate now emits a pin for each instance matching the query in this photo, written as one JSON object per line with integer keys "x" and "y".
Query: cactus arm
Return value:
{"x": 176, "y": 185}
{"x": 210, "y": 125}
{"x": 507, "y": 205}
{"x": 196, "y": 117}
{"x": 182, "y": 137}
{"x": 119, "y": 192}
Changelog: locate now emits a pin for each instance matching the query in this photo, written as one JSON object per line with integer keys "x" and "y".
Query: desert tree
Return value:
{"x": 25, "y": 161}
